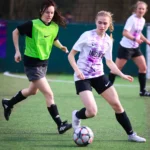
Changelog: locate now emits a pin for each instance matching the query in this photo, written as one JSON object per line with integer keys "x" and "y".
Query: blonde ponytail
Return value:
{"x": 111, "y": 29}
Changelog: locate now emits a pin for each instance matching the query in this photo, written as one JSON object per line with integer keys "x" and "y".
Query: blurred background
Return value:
{"x": 80, "y": 10}
{"x": 80, "y": 16}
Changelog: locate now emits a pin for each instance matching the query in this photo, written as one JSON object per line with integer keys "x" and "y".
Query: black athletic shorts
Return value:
{"x": 128, "y": 53}
{"x": 100, "y": 84}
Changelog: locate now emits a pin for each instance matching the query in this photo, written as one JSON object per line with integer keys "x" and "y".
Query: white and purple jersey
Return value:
{"x": 92, "y": 49}
{"x": 134, "y": 25}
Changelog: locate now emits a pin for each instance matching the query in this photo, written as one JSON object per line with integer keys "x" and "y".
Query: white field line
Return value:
{"x": 24, "y": 77}
{"x": 64, "y": 81}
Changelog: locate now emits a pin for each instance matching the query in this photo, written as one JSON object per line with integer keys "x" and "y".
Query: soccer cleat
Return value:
{"x": 135, "y": 138}
{"x": 7, "y": 109}
{"x": 64, "y": 127}
{"x": 75, "y": 121}
{"x": 145, "y": 93}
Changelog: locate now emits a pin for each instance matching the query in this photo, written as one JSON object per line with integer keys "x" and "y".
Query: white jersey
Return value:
{"x": 92, "y": 49}
{"x": 134, "y": 25}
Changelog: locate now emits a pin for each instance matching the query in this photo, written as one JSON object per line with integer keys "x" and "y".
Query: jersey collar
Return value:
{"x": 44, "y": 22}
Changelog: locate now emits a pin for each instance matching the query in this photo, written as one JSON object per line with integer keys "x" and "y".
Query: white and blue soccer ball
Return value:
{"x": 83, "y": 136}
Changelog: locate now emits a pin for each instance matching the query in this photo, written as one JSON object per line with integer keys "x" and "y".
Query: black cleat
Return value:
{"x": 64, "y": 127}
{"x": 145, "y": 93}
{"x": 7, "y": 109}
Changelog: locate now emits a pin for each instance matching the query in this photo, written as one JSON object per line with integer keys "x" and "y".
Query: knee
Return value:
{"x": 120, "y": 67}
{"x": 92, "y": 112}
{"x": 143, "y": 69}
{"x": 50, "y": 96}
{"x": 117, "y": 107}
{"x": 34, "y": 92}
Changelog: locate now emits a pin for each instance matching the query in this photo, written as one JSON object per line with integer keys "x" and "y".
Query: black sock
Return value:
{"x": 112, "y": 77}
{"x": 54, "y": 113}
{"x": 123, "y": 119}
{"x": 142, "y": 81}
{"x": 16, "y": 99}
{"x": 81, "y": 114}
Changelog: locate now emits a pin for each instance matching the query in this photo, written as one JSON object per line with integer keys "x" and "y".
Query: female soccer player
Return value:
{"x": 93, "y": 45}
{"x": 40, "y": 34}
{"x": 129, "y": 45}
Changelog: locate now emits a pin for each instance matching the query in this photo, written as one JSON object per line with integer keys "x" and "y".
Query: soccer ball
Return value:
{"x": 83, "y": 136}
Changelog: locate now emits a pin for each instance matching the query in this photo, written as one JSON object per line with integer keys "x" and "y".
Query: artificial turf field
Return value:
{"x": 31, "y": 128}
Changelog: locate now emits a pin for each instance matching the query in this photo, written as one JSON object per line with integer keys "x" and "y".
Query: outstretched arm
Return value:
{"x": 60, "y": 46}
{"x": 15, "y": 36}
{"x": 115, "y": 70}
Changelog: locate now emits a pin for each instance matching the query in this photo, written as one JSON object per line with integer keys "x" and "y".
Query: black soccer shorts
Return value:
{"x": 100, "y": 84}
{"x": 128, "y": 53}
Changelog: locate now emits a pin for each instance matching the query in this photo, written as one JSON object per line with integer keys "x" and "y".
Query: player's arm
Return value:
{"x": 60, "y": 46}
{"x": 143, "y": 38}
{"x": 15, "y": 36}
{"x": 23, "y": 29}
{"x": 128, "y": 35}
{"x": 127, "y": 28}
{"x": 112, "y": 66}
{"x": 77, "y": 48}
{"x": 72, "y": 61}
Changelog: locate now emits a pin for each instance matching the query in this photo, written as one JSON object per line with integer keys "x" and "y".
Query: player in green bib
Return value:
{"x": 40, "y": 35}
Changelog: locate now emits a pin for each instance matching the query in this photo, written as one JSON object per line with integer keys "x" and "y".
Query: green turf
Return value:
{"x": 31, "y": 128}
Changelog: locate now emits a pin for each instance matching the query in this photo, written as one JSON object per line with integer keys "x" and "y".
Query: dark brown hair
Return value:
{"x": 57, "y": 18}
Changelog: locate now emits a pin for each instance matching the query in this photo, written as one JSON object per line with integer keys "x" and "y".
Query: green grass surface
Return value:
{"x": 31, "y": 128}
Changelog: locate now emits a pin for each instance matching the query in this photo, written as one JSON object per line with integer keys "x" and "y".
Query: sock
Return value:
{"x": 16, "y": 99}
{"x": 112, "y": 77}
{"x": 123, "y": 119}
{"x": 81, "y": 114}
{"x": 142, "y": 81}
{"x": 54, "y": 113}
